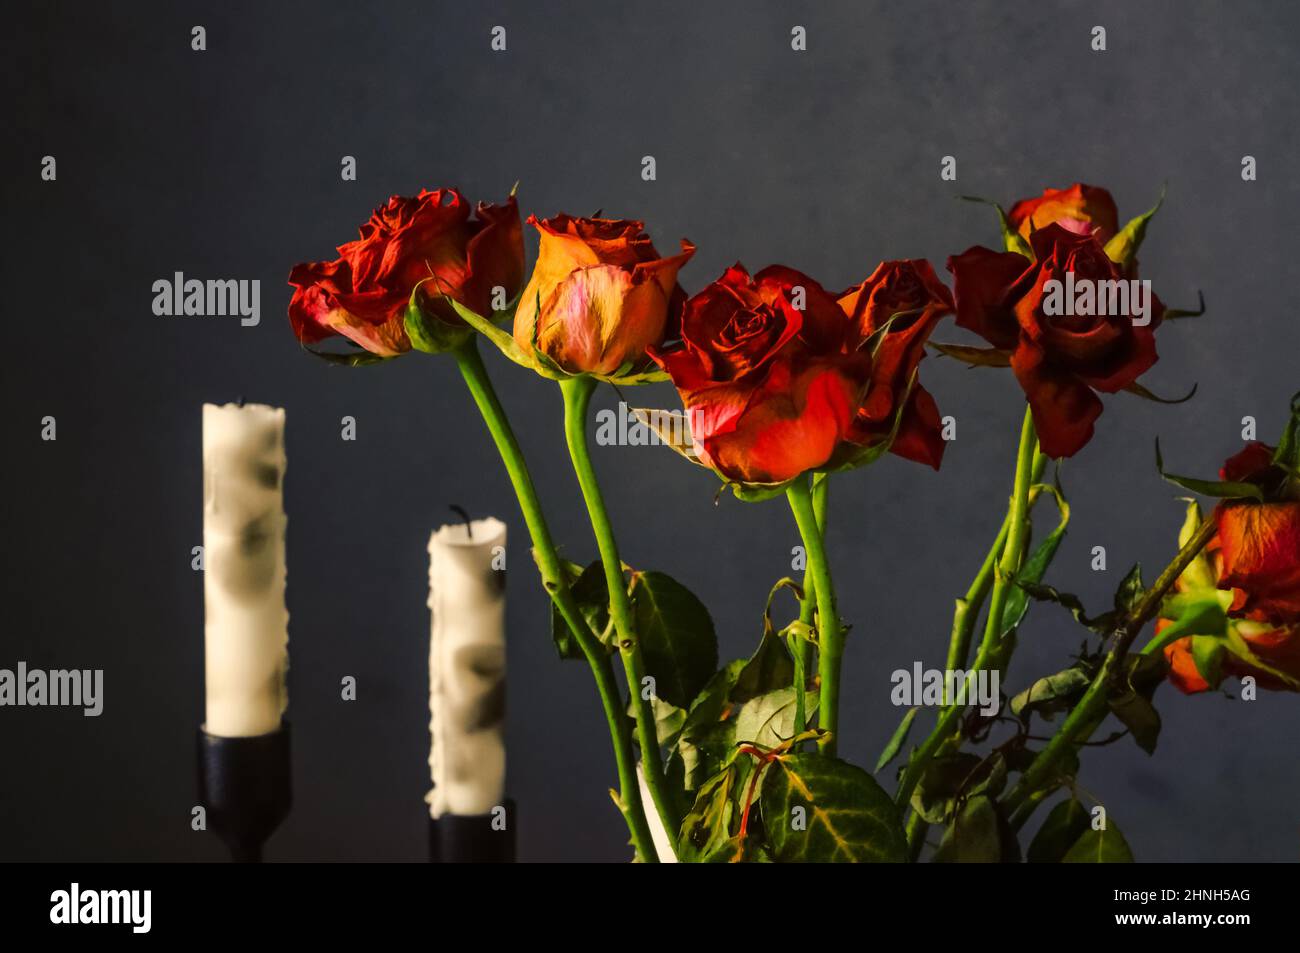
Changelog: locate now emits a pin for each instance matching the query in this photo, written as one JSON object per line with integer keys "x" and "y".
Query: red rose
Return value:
{"x": 1085, "y": 209}
{"x": 604, "y": 295}
{"x": 363, "y": 294}
{"x": 1060, "y": 359}
{"x": 771, "y": 389}
{"x": 1260, "y": 542}
{"x": 913, "y": 292}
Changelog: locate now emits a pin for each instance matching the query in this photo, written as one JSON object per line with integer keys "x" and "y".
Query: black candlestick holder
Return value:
{"x": 473, "y": 838}
{"x": 244, "y": 787}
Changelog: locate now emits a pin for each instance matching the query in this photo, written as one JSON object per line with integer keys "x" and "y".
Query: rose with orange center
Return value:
{"x": 1083, "y": 209}
{"x": 599, "y": 296}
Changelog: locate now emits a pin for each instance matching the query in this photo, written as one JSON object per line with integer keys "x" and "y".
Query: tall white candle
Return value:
{"x": 467, "y": 668}
{"x": 246, "y": 630}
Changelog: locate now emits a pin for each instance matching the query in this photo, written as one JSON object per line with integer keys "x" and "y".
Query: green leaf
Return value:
{"x": 1035, "y": 566}
{"x": 896, "y": 741}
{"x": 1139, "y": 716}
{"x": 1106, "y": 846}
{"x": 977, "y": 835}
{"x": 1130, "y": 590}
{"x": 846, "y": 816}
{"x": 1012, "y": 240}
{"x": 707, "y": 826}
{"x": 1065, "y": 824}
{"x": 1123, "y": 247}
{"x": 769, "y": 668}
{"x": 1052, "y": 693}
{"x": 765, "y": 721}
{"x": 592, "y": 595}
{"x": 974, "y": 356}
{"x": 949, "y": 778}
{"x": 1043, "y": 593}
{"x": 677, "y": 638}
{"x": 1223, "y": 489}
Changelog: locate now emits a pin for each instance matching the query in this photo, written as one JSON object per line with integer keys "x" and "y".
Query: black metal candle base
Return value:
{"x": 472, "y": 839}
{"x": 244, "y": 787}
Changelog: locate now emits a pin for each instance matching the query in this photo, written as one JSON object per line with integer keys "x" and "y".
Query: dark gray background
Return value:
{"x": 226, "y": 164}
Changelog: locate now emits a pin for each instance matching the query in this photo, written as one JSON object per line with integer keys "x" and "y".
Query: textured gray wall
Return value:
{"x": 226, "y": 164}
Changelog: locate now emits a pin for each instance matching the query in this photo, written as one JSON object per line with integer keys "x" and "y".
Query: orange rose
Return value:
{"x": 1260, "y": 542}
{"x": 1255, "y": 553}
{"x": 600, "y": 294}
{"x": 1085, "y": 209}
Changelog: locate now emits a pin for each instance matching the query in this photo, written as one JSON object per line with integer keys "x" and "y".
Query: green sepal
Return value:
{"x": 1287, "y": 454}
{"x": 429, "y": 333}
{"x": 1222, "y": 489}
{"x": 1122, "y": 249}
{"x": 1012, "y": 240}
{"x": 974, "y": 356}
{"x": 360, "y": 358}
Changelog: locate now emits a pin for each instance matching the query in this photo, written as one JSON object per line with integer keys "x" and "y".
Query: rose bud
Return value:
{"x": 599, "y": 295}
{"x": 363, "y": 294}
{"x": 912, "y": 294}
{"x": 1060, "y": 359}
{"x": 1083, "y": 209}
{"x": 769, "y": 388}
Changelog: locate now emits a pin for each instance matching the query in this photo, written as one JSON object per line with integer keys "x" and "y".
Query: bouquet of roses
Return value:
{"x": 783, "y": 385}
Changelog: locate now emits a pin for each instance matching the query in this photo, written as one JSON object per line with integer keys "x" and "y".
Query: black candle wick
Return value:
{"x": 469, "y": 527}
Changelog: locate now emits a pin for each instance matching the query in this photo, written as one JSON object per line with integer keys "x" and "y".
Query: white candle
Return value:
{"x": 467, "y": 668}
{"x": 246, "y": 624}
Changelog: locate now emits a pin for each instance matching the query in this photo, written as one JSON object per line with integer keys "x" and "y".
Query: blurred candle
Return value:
{"x": 246, "y": 634}
{"x": 467, "y": 668}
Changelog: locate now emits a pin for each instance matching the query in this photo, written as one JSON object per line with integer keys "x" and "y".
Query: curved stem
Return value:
{"x": 1089, "y": 712}
{"x": 556, "y": 584}
{"x": 830, "y": 637}
{"x": 1007, "y": 567}
{"x": 577, "y": 393}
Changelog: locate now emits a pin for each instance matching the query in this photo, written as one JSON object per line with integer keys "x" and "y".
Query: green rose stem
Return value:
{"x": 830, "y": 637}
{"x": 577, "y": 393}
{"x": 1089, "y": 711}
{"x": 801, "y": 648}
{"x": 1008, "y": 565}
{"x": 556, "y": 584}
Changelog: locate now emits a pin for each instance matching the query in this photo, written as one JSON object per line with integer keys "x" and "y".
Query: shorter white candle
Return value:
{"x": 246, "y": 624}
{"x": 467, "y": 668}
